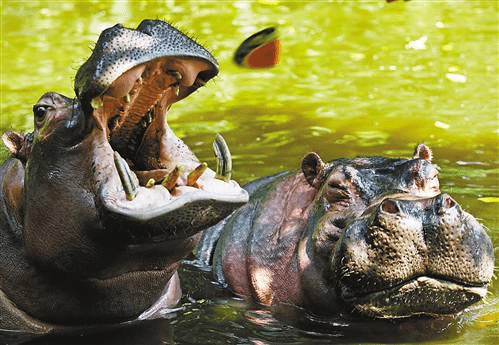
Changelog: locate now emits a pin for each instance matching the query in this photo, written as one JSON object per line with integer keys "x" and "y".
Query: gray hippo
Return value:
{"x": 371, "y": 235}
{"x": 102, "y": 200}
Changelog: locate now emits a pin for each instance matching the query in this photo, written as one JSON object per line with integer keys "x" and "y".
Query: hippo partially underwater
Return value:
{"x": 101, "y": 201}
{"x": 368, "y": 235}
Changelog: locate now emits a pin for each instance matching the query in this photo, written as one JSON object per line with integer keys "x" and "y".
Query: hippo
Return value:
{"x": 101, "y": 201}
{"x": 367, "y": 237}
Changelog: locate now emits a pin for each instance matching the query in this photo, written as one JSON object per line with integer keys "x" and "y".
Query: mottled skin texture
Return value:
{"x": 74, "y": 251}
{"x": 413, "y": 256}
{"x": 314, "y": 239}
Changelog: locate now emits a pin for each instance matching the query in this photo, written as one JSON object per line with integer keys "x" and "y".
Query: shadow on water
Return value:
{"x": 143, "y": 333}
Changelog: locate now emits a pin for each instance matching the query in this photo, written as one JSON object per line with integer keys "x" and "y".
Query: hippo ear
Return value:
{"x": 311, "y": 166}
{"x": 422, "y": 151}
{"x": 14, "y": 141}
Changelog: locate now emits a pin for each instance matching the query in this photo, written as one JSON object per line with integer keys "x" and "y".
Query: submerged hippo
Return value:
{"x": 101, "y": 201}
{"x": 369, "y": 234}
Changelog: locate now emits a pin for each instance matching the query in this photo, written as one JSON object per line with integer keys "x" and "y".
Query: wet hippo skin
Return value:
{"x": 368, "y": 235}
{"x": 101, "y": 201}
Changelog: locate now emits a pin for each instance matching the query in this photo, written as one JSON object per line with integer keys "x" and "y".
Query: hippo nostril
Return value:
{"x": 390, "y": 206}
{"x": 446, "y": 204}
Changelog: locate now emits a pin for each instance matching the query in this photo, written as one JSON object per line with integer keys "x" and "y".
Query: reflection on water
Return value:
{"x": 355, "y": 78}
{"x": 231, "y": 321}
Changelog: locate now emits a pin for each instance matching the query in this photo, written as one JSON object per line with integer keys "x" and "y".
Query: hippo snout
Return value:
{"x": 414, "y": 256}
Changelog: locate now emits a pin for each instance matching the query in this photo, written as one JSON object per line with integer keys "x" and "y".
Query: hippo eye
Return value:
{"x": 390, "y": 206}
{"x": 40, "y": 111}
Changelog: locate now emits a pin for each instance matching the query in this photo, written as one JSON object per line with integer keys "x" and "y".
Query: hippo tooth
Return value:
{"x": 200, "y": 82}
{"x": 175, "y": 74}
{"x": 170, "y": 180}
{"x": 195, "y": 174}
{"x": 125, "y": 176}
{"x": 148, "y": 117}
{"x": 127, "y": 98}
{"x": 224, "y": 158}
{"x": 151, "y": 182}
{"x": 176, "y": 90}
{"x": 96, "y": 102}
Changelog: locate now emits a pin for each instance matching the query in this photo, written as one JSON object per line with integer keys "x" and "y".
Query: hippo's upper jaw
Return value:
{"x": 411, "y": 257}
{"x": 127, "y": 86}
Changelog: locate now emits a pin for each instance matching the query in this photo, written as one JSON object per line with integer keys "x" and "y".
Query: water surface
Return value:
{"x": 355, "y": 78}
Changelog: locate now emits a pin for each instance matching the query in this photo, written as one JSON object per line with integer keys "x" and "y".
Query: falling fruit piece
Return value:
{"x": 260, "y": 50}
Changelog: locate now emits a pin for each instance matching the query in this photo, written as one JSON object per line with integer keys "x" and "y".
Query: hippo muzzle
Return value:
{"x": 408, "y": 257}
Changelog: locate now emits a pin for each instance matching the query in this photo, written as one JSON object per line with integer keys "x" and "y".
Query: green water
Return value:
{"x": 355, "y": 78}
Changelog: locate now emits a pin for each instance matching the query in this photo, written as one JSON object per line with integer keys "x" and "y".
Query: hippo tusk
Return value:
{"x": 170, "y": 179}
{"x": 96, "y": 102}
{"x": 176, "y": 74}
{"x": 196, "y": 174}
{"x": 224, "y": 158}
{"x": 125, "y": 177}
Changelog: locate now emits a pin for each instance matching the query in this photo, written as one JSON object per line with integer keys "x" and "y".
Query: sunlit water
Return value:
{"x": 355, "y": 78}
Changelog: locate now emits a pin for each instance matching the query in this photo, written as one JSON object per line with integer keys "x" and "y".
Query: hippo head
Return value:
{"x": 128, "y": 85}
{"x": 391, "y": 245}
{"x": 346, "y": 187}
{"x": 407, "y": 257}
{"x": 111, "y": 196}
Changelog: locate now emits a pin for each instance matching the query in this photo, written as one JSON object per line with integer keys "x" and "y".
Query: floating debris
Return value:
{"x": 456, "y": 77}
{"x": 419, "y": 44}
{"x": 489, "y": 199}
{"x": 442, "y": 125}
{"x": 439, "y": 25}
{"x": 469, "y": 163}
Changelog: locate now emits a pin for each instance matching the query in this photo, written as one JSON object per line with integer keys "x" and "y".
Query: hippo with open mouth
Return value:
{"x": 102, "y": 200}
{"x": 371, "y": 235}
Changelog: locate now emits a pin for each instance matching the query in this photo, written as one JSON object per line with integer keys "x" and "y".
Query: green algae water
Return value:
{"x": 354, "y": 78}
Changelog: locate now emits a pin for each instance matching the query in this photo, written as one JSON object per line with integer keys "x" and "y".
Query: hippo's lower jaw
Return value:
{"x": 157, "y": 215}
{"x": 419, "y": 296}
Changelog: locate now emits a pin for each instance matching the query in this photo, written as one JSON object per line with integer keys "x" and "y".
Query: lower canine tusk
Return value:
{"x": 224, "y": 158}
{"x": 125, "y": 177}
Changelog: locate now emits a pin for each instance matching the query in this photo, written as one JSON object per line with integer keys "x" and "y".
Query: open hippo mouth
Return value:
{"x": 128, "y": 86}
{"x": 411, "y": 256}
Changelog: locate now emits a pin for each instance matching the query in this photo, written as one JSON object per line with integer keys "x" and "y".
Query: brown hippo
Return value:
{"x": 101, "y": 201}
{"x": 372, "y": 235}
